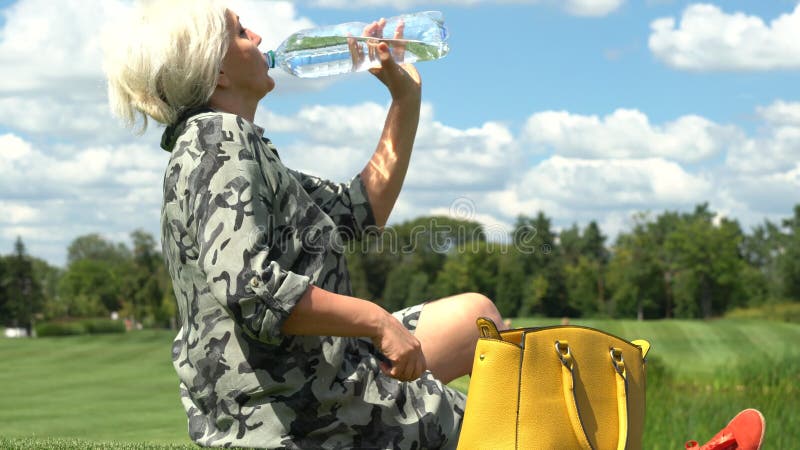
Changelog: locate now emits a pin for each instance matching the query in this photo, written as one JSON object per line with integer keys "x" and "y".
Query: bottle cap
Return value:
{"x": 270, "y": 59}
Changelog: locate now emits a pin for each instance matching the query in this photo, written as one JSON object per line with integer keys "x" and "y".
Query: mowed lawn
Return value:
{"x": 120, "y": 391}
{"x": 101, "y": 388}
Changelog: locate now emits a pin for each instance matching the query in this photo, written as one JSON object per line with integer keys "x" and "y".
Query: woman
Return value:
{"x": 273, "y": 350}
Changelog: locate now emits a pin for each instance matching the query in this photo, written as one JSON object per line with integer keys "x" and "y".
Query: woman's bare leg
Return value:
{"x": 448, "y": 333}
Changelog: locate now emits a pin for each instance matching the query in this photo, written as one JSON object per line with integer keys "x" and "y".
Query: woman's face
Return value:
{"x": 244, "y": 64}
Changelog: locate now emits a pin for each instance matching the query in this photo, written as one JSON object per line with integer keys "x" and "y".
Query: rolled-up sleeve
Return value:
{"x": 233, "y": 232}
{"x": 347, "y": 204}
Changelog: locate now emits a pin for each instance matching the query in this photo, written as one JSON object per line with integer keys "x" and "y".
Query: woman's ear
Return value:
{"x": 222, "y": 80}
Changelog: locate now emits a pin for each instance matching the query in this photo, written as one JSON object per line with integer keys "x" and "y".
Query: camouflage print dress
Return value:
{"x": 243, "y": 237}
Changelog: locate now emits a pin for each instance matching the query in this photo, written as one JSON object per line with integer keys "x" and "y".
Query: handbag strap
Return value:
{"x": 622, "y": 396}
{"x": 568, "y": 384}
{"x": 488, "y": 329}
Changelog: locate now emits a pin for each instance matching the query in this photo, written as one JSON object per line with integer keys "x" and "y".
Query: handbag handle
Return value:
{"x": 568, "y": 384}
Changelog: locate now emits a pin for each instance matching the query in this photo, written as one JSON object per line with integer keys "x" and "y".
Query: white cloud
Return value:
{"x": 776, "y": 149}
{"x": 494, "y": 229}
{"x": 751, "y": 198}
{"x": 17, "y": 213}
{"x": 478, "y": 171}
{"x": 52, "y": 50}
{"x": 597, "y": 185}
{"x": 27, "y": 169}
{"x": 53, "y": 197}
{"x": 592, "y": 8}
{"x": 781, "y": 113}
{"x": 475, "y": 158}
{"x": 773, "y": 188}
{"x": 709, "y": 39}
{"x": 50, "y": 62}
{"x": 337, "y": 141}
{"x": 86, "y": 120}
{"x": 67, "y": 168}
{"x": 358, "y": 124}
{"x": 626, "y": 133}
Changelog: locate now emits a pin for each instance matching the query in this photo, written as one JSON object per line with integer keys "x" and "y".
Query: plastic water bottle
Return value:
{"x": 337, "y": 49}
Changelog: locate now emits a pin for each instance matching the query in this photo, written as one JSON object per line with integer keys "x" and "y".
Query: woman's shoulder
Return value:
{"x": 225, "y": 127}
{"x": 207, "y": 127}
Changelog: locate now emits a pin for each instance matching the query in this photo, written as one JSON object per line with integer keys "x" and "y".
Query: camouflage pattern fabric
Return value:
{"x": 243, "y": 237}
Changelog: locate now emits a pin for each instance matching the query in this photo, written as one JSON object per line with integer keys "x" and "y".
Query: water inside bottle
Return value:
{"x": 318, "y": 56}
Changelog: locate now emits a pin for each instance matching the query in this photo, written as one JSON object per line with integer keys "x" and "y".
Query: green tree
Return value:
{"x": 510, "y": 283}
{"x": 423, "y": 243}
{"x": 23, "y": 292}
{"x": 761, "y": 250}
{"x": 419, "y": 290}
{"x": 89, "y": 288}
{"x": 585, "y": 281}
{"x": 585, "y": 259}
{"x": 358, "y": 278}
{"x": 534, "y": 292}
{"x": 789, "y": 260}
{"x": 710, "y": 262}
{"x": 96, "y": 280}
{"x": 146, "y": 295}
{"x": 472, "y": 267}
{"x": 542, "y": 260}
{"x": 168, "y": 310}
{"x": 633, "y": 274}
{"x": 48, "y": 277}
{"x": 5, "y": 306}
{"x": 376, "y": 255}
{"x": 571, "y": 244}
{"x": 398, "y": 282}
{"x": 665, "y": 258}
{"x": 95, "y": 247}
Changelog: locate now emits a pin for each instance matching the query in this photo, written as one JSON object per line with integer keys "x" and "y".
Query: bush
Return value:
{"x": 60, "y": 329}
{"x": 76, "y": 327}
{"x": 783, "y": 312}
{"x": 102, "y": 326}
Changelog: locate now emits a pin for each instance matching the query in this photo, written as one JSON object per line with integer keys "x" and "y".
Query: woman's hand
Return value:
{"x": 403, "y": 80}
{"x": 401, "y": 348}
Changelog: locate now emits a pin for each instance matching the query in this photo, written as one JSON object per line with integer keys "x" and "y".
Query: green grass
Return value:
{"x": 99, "y": 388}
{"x": 34, "y": 443}
{"x": 120, "y": 391}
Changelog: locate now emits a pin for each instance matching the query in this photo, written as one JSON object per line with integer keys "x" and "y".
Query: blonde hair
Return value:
{"x": 165, "y": 59}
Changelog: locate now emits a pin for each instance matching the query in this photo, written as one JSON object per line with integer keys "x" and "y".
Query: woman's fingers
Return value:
{"x": 398, "y": 47}
{"x": 407, "y": 372}
{"x": 356, "y": 56}
{"x": 379, "y": 29}
{"x": 404, "y": 358}
{"x": 377, "y": 48}
{"x": 375, "y": 32}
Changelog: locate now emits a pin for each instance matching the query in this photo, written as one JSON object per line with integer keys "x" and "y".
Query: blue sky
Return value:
{"x": 584, "y": 109}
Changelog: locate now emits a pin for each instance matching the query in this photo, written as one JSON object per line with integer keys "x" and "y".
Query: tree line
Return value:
{"x": 686, "y": 265}
{"x": 100, "y": 277}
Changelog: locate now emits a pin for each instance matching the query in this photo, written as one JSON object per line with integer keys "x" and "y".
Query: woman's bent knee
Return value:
{"x": 478, "y": 305}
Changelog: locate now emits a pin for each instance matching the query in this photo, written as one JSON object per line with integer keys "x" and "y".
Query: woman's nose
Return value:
{"x": 254, "y": 37}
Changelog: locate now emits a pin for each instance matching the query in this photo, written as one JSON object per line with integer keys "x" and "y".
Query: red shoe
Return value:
{"x": 744, "y": 432}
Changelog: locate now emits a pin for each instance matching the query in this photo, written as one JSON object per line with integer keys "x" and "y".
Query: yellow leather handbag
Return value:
{"x": 554, "y": 388}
